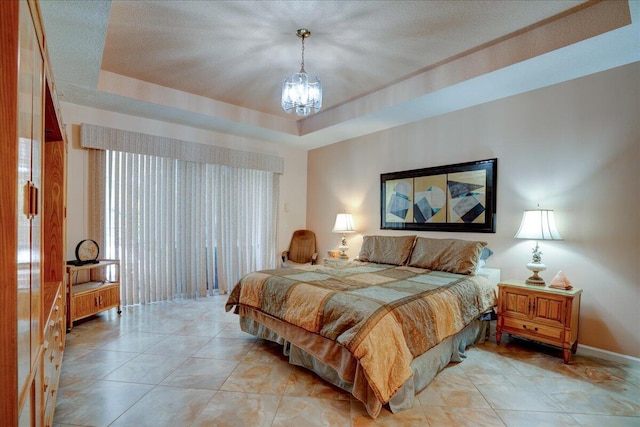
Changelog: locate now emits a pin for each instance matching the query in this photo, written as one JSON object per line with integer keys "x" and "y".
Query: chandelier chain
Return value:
{"x": 302, "y": 63}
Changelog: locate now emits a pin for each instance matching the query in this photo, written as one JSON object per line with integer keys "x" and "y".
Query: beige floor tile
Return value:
{"x": 178, "y": 345}
{"x": 134, "y": 341}
{"x": 516, "y": 380}
{"x": 100, "y": 404}
{"x": 312, "y": 412}
{"x": 225, "y": 349}
{"x": 231, "y": 409}
{"x": 411, "y": 417}
{"x": 163, "y": 325}
{"x": 96, "y": 364}
{"x": 232, "y": 330}
{"x": 577, "y": 395}
{"x": 486, "y": 363}
{"x": 606, "y": 420}
{"x": 147, "y": 369}
{"x": 536, "y": 419}
{"x": 542, "y": 366}
{"x": 68, "y": 386}
{"x": 129, "y": 320}
{"x": 303, "y": 382}
{"x": 201, "y": 328}
{"x": 258, "y": 378}
{"x": 631, "y": 371}
{"x": 188, "y": 363}
{"x": 627, "y": 373}
{"x": 562, "y": 385}
{"x": 200, "y": 373}
{"x": 514, "y": 397}
{"x": 521, "y": 349}
{"x": 452, "y": 388}
{"x": 73, "y": 352}
{"x": 458, "y": 417}
{"x": 91, "y": 335}
{"x": 219, "y": 316}
{"x": 166, "y": 406}
{"x": 596, "y": 403}
{"x": 265, "y": 352}
{"x": 594, "y": 372}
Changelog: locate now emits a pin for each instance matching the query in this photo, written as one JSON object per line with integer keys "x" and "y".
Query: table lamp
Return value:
{"x": 538, "y": 224}
{"x": 344, "y": 224}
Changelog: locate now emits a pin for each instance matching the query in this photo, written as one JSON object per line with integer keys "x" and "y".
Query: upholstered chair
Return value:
{"x": 302, "y": 249}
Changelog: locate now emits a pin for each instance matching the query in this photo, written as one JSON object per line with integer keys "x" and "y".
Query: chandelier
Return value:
{"x": 300, "y": 93}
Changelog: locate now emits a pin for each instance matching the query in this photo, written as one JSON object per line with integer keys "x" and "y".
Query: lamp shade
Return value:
{"x": 538, "y": 224}
{"x": 344, "y": 223}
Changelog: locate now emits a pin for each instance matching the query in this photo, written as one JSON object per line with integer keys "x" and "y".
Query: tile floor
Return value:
{"x": 187, "y": 363}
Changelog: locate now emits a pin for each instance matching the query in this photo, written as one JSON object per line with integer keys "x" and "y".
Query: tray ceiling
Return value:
{"x": 219, "y": 65}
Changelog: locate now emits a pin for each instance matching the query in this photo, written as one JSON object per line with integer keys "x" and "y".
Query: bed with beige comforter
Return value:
{"x": 366, "y": 327}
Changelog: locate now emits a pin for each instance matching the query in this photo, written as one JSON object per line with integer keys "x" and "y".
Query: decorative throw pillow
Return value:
{"x": 452, "y": 255}
{"x": 486, "y": 253}
{"x": 394, "y": 250}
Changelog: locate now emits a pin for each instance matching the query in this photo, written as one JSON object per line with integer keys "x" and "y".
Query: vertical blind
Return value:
{"x": 181, "y": 229}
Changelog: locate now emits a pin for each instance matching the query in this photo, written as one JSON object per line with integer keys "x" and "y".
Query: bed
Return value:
{"x": 380, "y": 327}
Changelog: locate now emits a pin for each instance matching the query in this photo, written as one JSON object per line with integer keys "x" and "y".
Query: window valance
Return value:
{"x": 104, "y": 138}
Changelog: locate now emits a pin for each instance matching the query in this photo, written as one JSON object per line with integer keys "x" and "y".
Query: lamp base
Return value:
{"x": 343, "y": 249}
{"x": 535, "y": 279}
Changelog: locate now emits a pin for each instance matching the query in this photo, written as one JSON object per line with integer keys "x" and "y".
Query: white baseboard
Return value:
{"x": 586, "y": 350}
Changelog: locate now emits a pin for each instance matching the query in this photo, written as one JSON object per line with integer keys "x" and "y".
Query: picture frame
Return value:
{"x": 455, "y": 198}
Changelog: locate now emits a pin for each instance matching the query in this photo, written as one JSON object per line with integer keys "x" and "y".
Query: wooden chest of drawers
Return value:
{"x": 53, "y": 349}
{"x": 539, "y": 313}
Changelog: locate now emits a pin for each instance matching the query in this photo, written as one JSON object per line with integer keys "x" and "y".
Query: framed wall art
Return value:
{"x": 459, "y": 197}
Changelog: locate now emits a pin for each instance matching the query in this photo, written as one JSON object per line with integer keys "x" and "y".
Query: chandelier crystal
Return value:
{"x": 300, "y": 93}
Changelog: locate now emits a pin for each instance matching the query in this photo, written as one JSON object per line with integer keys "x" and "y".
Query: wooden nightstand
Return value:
{"x": 539, "y": 313}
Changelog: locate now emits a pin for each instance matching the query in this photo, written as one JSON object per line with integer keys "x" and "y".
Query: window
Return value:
{"x": 182, "y": 229}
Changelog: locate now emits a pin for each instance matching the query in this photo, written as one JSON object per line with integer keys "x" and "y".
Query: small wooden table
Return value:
{"x": 99, "y": 290}
{"x": 540, "y": 313}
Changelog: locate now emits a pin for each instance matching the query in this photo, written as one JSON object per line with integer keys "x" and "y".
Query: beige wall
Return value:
{"x": 292, "y": 183}
{"x": 572, "y": 147}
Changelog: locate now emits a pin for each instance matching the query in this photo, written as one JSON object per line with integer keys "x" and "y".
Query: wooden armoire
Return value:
{"x": 33, "y": 152}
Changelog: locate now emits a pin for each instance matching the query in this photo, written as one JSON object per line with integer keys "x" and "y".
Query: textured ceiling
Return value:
{"x": 240, "y": 52}
{"x": 219, "y": 65}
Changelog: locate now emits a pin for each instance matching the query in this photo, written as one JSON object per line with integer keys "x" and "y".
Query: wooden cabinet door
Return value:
{"x": 110, "y": 297}
{"x": 30, "y": 130}
{"x": 85, "y": 305}
{"x": 549, "y": 308}
{"x": 29, "y": 147}
{"x": 515, "y": 302}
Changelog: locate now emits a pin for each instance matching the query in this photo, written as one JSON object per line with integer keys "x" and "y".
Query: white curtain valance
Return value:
{"x": 103, "y": 138}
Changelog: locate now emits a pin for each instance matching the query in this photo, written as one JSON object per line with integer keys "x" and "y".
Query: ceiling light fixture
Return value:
{"x": 299, "y": 93}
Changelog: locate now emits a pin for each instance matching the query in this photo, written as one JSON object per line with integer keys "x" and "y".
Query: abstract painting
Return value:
{"x": 458, "y": 197}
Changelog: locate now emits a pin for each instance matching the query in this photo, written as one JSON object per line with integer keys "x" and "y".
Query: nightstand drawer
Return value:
{"x": 532, "y": 329}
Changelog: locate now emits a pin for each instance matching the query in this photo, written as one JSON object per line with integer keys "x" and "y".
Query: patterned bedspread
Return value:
{"x": 384, "y": 315}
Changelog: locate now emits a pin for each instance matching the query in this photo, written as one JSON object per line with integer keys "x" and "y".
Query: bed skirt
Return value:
{"x": 344, "y": 372}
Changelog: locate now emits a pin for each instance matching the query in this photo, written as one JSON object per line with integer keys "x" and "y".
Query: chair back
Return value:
{"x": 302, "y": 246}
